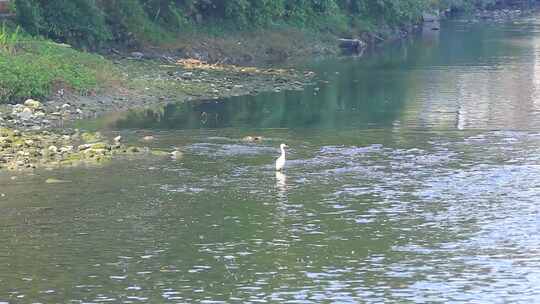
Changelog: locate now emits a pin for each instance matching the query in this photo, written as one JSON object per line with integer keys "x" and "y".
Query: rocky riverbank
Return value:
{"x": 35, "y": 134}
{"x": 149, "y": 83}
{"x": 44, "y": 149}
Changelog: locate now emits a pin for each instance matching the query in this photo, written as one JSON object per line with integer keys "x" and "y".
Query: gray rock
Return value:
{"x": 176, "y": 154}
{"x": 137, "y": 55}
{"x": 26, "y": 114}
{"x": 34, "y": 104}
{"x": 66, "y": 149}
{"x": 56, "y": 181}
{"x": 84, "y": 147}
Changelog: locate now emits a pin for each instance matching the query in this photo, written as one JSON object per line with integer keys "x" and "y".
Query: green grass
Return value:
{"x": 35, "y": 68}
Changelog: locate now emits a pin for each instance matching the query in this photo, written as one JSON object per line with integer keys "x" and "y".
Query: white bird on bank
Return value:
{"x": 280, "y": 162}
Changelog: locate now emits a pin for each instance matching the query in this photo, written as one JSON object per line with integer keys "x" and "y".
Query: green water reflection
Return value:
{"x": 434, "y": 68}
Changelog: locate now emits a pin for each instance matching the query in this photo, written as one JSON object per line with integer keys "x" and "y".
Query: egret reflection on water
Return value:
{"x": 281, "y": 182}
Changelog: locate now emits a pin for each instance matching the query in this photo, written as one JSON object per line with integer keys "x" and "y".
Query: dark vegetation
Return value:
{"x": 93, "y": 23}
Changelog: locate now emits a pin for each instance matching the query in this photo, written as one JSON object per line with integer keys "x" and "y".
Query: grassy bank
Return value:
{"x": 38, "y": 68}
{"x": 83, "y": 84}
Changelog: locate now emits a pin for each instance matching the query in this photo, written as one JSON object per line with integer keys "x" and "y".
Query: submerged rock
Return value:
{"x": 56, "y": 181}
{"x": 133, "y": 150}
{"x": 159, "y": 153}
{"x": 176, "y": 154}
{"x": 137, "y": 55}
{"x": 252, "y": 138}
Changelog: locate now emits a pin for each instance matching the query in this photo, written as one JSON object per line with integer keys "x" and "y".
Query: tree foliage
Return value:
{"x": 88, "y": 23}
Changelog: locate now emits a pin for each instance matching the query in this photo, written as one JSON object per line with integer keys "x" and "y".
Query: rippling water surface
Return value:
{"x": 413, "y": 176}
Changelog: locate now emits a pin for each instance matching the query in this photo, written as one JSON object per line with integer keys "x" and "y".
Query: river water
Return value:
{"x": 413, "y": 177}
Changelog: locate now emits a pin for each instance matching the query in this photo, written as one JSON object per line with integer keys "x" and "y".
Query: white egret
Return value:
{"x": 280, "y": 162}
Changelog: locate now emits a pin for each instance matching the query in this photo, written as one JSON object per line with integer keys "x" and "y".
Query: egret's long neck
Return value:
{"x": 282, "y": 151}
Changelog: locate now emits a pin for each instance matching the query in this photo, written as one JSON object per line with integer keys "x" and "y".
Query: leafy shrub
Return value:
{"x": 8, "y": 39}
{"x": 78, "y": 22}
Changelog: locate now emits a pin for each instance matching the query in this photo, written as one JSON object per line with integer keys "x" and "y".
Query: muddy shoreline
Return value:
{"x": 154, "y": 83}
